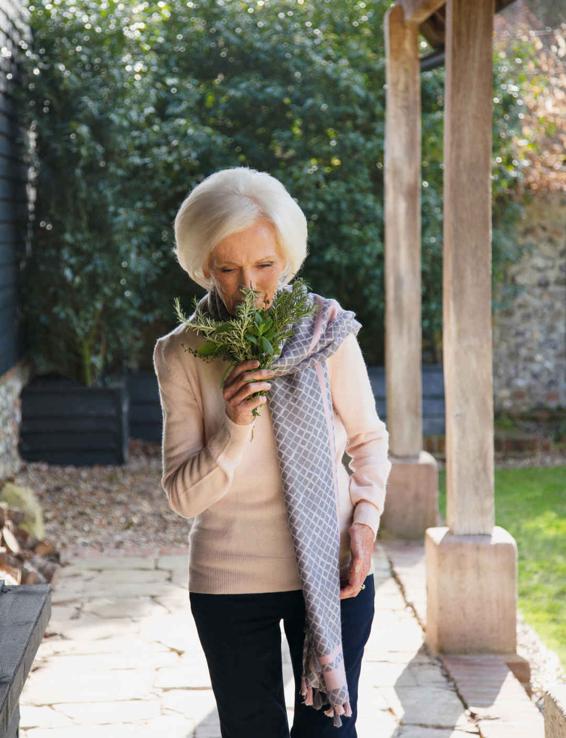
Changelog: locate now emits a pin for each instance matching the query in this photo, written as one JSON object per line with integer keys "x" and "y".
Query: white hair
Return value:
{"x": 229, "y": 201}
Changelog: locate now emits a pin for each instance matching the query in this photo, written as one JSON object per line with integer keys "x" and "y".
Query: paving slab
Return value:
{"x": 495, "y": 699}
{"x": 125, "y": 607}
{"x": 32, "y": 716}
{"x": 108, "y": 713}
{"x": 114, "y": 562}
{"x": 411, "y": 731}
{"x": 55, "y": 684}
{"x": 121, "y": 658}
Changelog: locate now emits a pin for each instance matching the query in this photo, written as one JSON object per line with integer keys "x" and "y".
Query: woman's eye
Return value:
{"x": 262, "y": 266}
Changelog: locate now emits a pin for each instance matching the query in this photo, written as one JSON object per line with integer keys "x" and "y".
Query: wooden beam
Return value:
{"x": 417, "y": 11}
{"x": 402, "y": 176}
{"x": 467, "y": 327}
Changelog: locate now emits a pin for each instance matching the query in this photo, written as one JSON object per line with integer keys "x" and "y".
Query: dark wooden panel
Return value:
{"x": 146, "y": 430}
{"x": 79, "y": 457}
{"x": 25, "y": 610}
{"x": 8, "y": 276}
{"x": 8, "y": 299}
{"x": 145, "y": 409}
{"x": 46, "y": 440}
{"x": 7, "y": 255}
{"x": 9, "y": 355}
{"x": 13, "y": 209}
{"x": 12, "y": 188}
{"x": 64, "y": 422}
{"x": 13, "y": 178}
{"x": 69, "y": 403}
{"x": 432, "y": 396}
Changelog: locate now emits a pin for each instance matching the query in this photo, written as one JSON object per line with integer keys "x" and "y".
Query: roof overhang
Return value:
{"x": 431, "y": 18}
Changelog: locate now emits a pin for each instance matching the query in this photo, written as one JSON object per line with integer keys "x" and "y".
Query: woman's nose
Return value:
{"x": 247, "y": 283}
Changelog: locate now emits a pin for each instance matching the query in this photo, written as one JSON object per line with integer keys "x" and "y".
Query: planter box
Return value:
{"x": 65, "y": 422}
{"x": 145, "y": 408}
{"x": 433, "y": 409}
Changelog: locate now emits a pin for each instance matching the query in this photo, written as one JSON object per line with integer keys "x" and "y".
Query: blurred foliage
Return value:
{"x": 532, "y": 103}
{"x": 538, "y": 62}
{"x": 131, "y": 105}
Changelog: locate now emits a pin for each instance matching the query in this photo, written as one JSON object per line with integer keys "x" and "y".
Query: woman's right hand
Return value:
{"x": 238, "y": 388}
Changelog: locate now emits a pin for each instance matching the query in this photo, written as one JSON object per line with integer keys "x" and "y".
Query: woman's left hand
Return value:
{"x": 361, "y": 544}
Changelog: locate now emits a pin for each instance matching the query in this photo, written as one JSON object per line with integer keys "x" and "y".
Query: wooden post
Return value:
{"x": 467, "y": 335}
{"x": 402, "y": 236}
{"x": 471, "y": 563}
{"x": 412, "y": 500}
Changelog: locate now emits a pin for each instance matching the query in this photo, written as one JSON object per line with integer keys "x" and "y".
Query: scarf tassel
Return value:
{"x": 315, "y": 698}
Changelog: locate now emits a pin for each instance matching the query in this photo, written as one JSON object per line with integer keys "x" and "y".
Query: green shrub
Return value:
{"x": 134, "y": 104}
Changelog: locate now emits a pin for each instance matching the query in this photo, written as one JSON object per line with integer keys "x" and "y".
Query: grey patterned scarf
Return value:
{"x": 300, "y": 402}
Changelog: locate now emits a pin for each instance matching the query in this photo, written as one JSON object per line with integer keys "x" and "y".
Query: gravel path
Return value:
{"x": 107, "y": 509}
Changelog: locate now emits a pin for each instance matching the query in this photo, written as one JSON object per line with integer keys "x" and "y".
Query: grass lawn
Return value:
{"x": 531, "y": 504}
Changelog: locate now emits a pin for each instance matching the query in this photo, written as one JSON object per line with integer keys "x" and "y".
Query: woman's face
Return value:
{"x": 248, "y": 258}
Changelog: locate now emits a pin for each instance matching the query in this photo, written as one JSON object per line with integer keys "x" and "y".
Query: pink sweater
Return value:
{"x": 230, "y": 484}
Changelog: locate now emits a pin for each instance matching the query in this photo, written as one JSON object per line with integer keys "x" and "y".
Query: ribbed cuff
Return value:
{"x": 367, "y": 513}
{"x": 239, "y": 432}
{"x": 228, "y": 444}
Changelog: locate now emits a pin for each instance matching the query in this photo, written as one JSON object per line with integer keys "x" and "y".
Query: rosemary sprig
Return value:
{"x": 253, "y": 333}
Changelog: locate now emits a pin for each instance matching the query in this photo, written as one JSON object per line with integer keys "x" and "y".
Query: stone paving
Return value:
{"x": 121, "y": 659}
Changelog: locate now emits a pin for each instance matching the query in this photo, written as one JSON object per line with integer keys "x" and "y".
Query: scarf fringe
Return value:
{"x": 316, "y": 698}
{"x": 312, "y": 683}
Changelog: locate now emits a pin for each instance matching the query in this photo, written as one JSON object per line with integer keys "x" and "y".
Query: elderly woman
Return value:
{"x": 281, "y": 530}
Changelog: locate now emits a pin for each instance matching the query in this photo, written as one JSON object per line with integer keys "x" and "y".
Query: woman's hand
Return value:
{"x": 239, "y": 385}
{"x": 361, "y": 544}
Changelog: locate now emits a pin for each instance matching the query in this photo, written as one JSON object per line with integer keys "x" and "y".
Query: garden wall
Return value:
{"x": 529, "y": 336}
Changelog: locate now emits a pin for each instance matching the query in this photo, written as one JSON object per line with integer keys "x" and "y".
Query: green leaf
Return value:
{"x": 208, "y": 348}
{"x": 224, "y": 328}
{"x": 266, "y": 346}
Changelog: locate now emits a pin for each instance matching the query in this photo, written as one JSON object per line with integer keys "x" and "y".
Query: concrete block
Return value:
{"x": 411, "y": 502}
{"x": 471, "y": 584}
{"x": 555, "y": 711}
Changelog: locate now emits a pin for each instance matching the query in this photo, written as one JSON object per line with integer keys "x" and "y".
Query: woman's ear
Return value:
{"x": 206, "y": 266}
{"x": 284, "y": 273}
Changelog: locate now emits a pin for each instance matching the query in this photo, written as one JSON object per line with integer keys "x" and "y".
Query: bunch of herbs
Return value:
{"x": 252, "y": 333}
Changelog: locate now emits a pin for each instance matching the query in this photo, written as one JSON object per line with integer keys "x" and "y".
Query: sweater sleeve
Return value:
{"x": 195, "y": 475}
{"x": 367, "y": 437}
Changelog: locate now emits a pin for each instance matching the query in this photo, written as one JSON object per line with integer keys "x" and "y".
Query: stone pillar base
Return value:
{"x": 411, "y": 502}
{"x": 471, "y": 586}
{"x": 555, "y": 711}
{"x": 521, "y": 669}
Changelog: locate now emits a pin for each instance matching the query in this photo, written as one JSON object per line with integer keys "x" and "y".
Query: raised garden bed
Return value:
{"x": 66, "y": 422}
{"x": 145, "y": 408}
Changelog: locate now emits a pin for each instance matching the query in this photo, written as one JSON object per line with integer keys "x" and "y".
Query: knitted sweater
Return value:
{"x": 227, "y": 479}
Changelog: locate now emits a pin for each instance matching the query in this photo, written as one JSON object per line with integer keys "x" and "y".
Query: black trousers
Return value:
{"x": 241, "y": 639}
